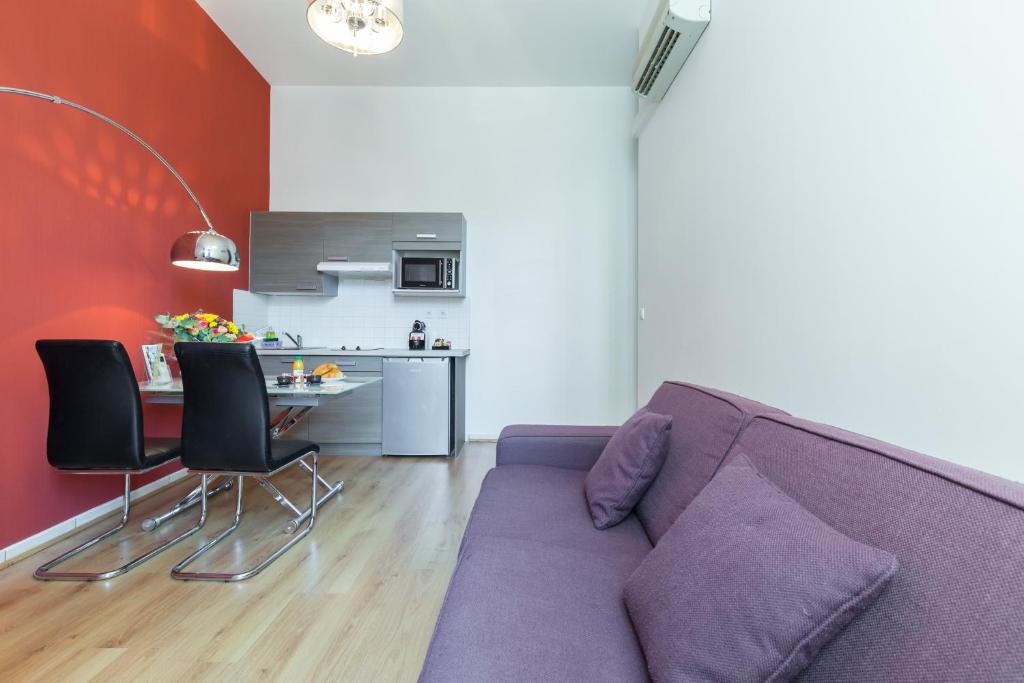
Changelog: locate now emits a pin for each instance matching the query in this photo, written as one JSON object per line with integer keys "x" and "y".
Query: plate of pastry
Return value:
{"x": 328, "y": 373}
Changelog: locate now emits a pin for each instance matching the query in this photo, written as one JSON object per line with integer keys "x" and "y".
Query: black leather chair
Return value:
{"x": 95, "y": 427}
{"x": 226, "y": 430}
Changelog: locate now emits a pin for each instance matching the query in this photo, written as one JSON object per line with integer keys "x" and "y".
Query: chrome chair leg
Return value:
{"x": 332, "y": 490}
{"x": 44, "y": 573}
{"x": 191, "y": 498}
{"x": 179, "y": 570}
{"x": 279, "y": 497}
{"x": 300, "y": 515}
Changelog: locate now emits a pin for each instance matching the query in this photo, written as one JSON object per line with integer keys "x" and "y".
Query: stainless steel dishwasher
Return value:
{"x": 417, "y": 406}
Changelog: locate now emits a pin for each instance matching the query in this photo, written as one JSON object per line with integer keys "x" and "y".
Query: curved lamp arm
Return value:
{"x": 213, "y": 241}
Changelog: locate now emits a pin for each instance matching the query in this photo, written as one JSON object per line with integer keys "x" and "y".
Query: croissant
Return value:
{"x": 327, "y": 371}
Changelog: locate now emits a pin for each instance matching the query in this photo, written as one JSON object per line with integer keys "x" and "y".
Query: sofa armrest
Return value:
{"x": 573, "y": 448}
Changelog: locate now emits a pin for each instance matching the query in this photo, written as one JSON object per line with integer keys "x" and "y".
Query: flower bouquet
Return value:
{"x": 202, "y": 327}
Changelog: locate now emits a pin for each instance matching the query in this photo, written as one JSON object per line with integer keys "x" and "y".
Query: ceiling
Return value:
{"x": 447, "y": 43}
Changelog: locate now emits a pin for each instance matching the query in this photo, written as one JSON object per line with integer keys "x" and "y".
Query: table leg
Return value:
{"x": 288, "y": 418}
{"x": 191, "y": 498}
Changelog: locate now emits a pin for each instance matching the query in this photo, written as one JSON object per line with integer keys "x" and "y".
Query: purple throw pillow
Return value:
{"x": 747, "y": 585}
{"x": 627, "y": 466}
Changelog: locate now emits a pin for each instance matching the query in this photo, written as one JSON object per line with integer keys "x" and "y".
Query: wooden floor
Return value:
{"x": 355, "y": 601}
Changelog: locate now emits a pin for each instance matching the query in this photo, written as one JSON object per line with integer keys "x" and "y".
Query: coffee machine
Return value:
{"x": 418, "y": 336}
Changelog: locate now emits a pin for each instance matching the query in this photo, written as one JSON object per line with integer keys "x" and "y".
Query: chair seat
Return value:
{"x": 285, "y": 451}
{"x": 159, "y": 449}
{"x": 282, "y": 452}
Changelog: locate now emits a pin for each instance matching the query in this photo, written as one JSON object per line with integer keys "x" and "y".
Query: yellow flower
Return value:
{"x": 232, "y": 328}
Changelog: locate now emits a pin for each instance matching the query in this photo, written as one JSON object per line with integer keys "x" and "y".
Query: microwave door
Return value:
{"x": 419, "y": 273}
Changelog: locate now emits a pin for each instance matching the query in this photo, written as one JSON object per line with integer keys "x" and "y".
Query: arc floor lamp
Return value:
{"x": 197, "y": 249}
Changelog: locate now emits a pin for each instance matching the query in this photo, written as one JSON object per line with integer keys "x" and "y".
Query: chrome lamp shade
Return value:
{"x": 205, "y": 250}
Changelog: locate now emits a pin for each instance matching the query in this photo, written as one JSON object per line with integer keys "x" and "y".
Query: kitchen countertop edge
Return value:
{"x": 377, "y": 353}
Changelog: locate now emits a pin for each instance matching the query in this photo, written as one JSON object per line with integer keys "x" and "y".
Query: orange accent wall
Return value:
{"x": 87, "y": 217}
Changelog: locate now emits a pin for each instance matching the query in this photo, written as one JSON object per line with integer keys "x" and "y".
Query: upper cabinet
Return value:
{"x": 284, "y": 249}
{"x": 357, "y": 237}
{"x": 300, "y": 252}
{"x": 424, "y": 229}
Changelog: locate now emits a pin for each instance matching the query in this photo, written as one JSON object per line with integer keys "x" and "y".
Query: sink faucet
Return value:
{"x": 297, "y": 339}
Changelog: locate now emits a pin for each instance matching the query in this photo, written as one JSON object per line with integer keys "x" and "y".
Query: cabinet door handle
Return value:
{"x": 337, "y": 258}
{"x": 306, "y": 288}
{"x": 426, "y": 235}
{"x": 341, "y": 365}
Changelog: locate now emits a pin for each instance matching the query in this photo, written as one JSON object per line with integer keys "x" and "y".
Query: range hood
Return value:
{"x": 349, "y": 270}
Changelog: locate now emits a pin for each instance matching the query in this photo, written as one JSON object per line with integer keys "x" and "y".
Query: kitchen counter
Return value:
{"x": 377, "y": 353}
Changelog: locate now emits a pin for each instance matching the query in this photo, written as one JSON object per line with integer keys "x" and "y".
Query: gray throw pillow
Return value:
{"x": 747, "y": 585}
{"x": 627, "y": 466}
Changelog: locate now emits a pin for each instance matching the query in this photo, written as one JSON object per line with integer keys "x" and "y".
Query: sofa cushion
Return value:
{"x": 626, "y": 468}
{"x": 705, "y": 422}
{"x": 548, "y": 504}
{"x": 747, "y": 585}
{"x": 953, "y": 611}
{"x": 527, "y": 611}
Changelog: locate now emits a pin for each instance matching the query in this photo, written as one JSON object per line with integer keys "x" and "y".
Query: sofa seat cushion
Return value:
{"x": 519, "y": 610}
{"x": 548, "y": 504}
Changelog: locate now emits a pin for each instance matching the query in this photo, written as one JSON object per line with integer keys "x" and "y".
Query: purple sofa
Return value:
{"x": 537, "y": 591}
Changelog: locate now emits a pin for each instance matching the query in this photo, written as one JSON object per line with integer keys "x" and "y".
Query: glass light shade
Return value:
{"x": 362, "y": 27}
{"x": 205, "y": 250}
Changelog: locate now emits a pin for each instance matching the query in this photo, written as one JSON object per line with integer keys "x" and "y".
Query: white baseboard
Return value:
{"x": 481, "y": 437}
{"x": 25, "y": 546}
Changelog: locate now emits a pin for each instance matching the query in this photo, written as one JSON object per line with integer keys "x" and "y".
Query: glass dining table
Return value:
{"x": 289, "y": 405}
{"x": 293, "y": 402}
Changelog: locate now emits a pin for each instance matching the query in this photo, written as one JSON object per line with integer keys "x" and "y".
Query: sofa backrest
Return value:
{"x": 955, "y": 609}
{"x": 705, "y": 422}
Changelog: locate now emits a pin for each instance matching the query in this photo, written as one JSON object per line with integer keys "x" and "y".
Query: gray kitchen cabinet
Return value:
{"x": 357, "y": 237}
{"x": 276, "y": 363}
{"x": 354, "y": 418}
{"x": 428, "y": 228}
{"x": 348, "y": 425}
{"x": 284, "y": 250}
{"x": 355, "y": 423}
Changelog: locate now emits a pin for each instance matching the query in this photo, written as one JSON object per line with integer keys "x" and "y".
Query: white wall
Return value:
{"x": 546, "y": 178}
{"x": 831, "y": 220}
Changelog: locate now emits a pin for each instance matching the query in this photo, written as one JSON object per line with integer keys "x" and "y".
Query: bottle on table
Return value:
{"x": 298, "y": 370}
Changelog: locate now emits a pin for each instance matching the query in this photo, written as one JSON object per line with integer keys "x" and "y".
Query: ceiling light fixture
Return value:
{"x": 362, "y": 27}
{"x": 199, "y": 249}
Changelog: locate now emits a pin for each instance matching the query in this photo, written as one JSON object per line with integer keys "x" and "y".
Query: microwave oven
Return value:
{"x": 429, "y": 272}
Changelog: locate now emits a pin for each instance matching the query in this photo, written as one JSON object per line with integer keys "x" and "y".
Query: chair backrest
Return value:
{"x": 225, "y": 423}
{"x": 95, "y": 409}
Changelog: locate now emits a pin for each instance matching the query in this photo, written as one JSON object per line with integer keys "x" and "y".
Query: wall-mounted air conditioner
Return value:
{"x": 675, "y": 29}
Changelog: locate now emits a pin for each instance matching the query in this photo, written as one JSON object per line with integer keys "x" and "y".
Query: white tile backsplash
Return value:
{"x": 365, "y": 312}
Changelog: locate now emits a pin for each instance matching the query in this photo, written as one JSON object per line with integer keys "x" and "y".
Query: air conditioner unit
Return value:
{"x": 675, "y": 29}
